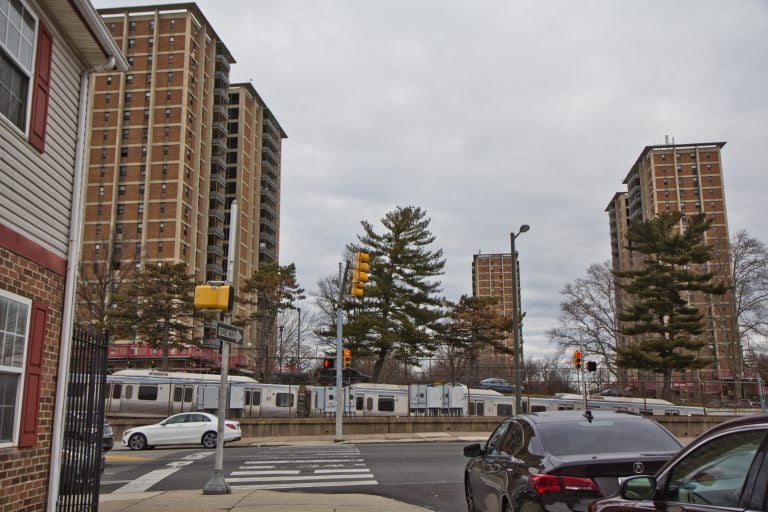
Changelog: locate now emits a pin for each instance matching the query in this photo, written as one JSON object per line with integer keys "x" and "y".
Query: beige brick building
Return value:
{"x": 172, "y": 144}
{"x": 686, "y": 178}
{"x": 492, "y": 276}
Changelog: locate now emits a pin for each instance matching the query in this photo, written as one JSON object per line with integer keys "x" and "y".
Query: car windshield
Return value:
{"x": 606, "y": 436}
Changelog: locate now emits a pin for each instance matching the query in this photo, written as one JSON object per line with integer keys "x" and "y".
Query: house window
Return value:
{"x": 17, "y": 44}
{"x": 14, "y": 331}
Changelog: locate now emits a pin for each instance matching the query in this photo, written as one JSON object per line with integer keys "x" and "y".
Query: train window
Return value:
{"x": 538, "y": 408}
{"x": 116, "y": 389}
{"x": 471, "y": 409}
{"x": 128, "y": 392}
{"x": 147, "y": 393}
{"x": 247, "y": 398}
{"x": 359, "y": 403}
{"x": 387, "y": 404}
{"x": 177, "y": 392}
{"x": 504, "y": 409}
{"x": 187, "y": 394}
{"x": 369, "y": 404}
{"x": 480, "y": 409}
{"x": 284, "y": 400}
{"x": 256, "y": 398}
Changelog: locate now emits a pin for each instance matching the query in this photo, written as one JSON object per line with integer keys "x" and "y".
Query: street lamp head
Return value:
{"x": 524, "y": 228}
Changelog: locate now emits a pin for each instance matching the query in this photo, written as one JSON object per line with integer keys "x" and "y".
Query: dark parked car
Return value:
{"x": 726, "y": 468}
{"x": 562, "y": 460}
{"x": 108, "y": 437}
{"x": 500, "y": 385}
{"x": 327, "y": 376}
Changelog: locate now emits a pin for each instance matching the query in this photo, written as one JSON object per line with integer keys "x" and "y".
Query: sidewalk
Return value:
{"x": 272, "y": 501}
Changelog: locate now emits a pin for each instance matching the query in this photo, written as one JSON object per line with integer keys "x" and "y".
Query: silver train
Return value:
{"x": 150, "y": 393}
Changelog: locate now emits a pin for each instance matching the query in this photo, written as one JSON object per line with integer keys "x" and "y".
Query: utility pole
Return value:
{"x": 217, "y": 484}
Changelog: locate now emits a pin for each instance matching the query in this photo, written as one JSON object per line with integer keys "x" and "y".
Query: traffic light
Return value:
{"x": 219, "y": 296}
{"x": 592, "y": 366}
{"x": 577, "y": 360}
{"x": 329, "y": 362}
{"x": 347, "y": 358}
{"x": 359, "y": 273}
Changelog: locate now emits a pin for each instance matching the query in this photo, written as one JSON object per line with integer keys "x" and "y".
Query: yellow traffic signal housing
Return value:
{"x": 213, "y": 296}
{"x": 360, "y": 273}
{"x": 577, "y": 360}
{"x": 347, "y": 358}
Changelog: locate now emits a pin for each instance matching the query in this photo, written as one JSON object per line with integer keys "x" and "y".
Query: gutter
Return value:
{"x": 73, "y": 257}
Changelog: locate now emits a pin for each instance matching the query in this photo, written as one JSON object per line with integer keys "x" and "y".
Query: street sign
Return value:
{"x": 229, "y": 333}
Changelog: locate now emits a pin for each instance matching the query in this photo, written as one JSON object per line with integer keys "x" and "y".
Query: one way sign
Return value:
{"x": 229, "y": 333}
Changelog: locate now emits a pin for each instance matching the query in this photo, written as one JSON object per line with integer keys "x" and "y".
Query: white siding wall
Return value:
{"x": 36, "y": 189}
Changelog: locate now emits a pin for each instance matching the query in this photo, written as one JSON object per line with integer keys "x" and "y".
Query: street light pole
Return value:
{"x": 280, "y": 356}
{"x": 298, "y": 343}
{"x": 516, "y": 318}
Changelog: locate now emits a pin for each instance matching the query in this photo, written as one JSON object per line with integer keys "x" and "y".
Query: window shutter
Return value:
{"x": 33, "y": 375}
{"x": 41, "y": 88}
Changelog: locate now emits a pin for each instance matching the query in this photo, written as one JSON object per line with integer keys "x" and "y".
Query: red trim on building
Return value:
{"x": 33, "y": 376}
{"x": 19, "y": 244}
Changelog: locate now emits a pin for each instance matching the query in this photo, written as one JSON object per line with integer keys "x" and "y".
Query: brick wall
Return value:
{"x": 24, "y": 473}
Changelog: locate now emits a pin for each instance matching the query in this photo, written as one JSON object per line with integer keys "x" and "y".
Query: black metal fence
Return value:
{"x": 82, "y": 459}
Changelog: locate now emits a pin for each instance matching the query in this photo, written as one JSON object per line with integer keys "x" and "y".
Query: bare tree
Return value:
{"x": 101, "y": 275}
{"x": 749, "y": 257}
{"x": 588, "y": 316}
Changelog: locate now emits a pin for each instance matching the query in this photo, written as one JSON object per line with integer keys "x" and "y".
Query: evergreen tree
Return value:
{"x": 157, "y": 308}
{"x": 673, "y": 264}
{"x": 400, "y": 310}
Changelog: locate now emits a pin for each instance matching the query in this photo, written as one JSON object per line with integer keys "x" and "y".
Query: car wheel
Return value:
{"x": 469, "y": 495}
{"x": 209, "y": 440}
{"x": 137, "y": 442}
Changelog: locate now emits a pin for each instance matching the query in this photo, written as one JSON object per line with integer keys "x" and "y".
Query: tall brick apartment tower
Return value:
{"x": 686, "y": 178}
{"x": 492, "y": 277}
{"x": 168, "y": 154}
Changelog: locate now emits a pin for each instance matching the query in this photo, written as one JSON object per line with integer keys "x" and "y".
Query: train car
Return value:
{"x": 277, "y": 401}
{"x": 372, "y": 399}
{"x": 486, "y": 402}
{"x": 646, "y": 406}
{"x": 152, "y": 393}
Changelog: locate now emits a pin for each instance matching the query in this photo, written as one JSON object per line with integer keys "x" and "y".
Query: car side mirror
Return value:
{"x": 473, "y": 450}
{"x": 638, "y": 488}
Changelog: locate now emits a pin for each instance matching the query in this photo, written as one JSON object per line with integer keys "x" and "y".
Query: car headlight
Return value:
{"x": 127, "y": 433}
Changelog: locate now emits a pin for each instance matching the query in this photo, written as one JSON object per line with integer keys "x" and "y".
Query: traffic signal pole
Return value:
{"x": 217, "y": 484}
{"x": 339, "y": 347}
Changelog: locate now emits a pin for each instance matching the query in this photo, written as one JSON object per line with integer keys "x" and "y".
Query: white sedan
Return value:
{"x": 184, "y": 428}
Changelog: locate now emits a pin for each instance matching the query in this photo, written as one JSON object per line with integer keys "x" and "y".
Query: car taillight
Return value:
{"x": 231, "y": 425}
{"x": 551, "y": 483}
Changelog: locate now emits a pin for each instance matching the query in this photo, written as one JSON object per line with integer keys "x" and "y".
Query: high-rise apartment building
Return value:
{"x": 686, "y": 178}
{"x": 492, "y": 276}
{"x": 169, "y": 152}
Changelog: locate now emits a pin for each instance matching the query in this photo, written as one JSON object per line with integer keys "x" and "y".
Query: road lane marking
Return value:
{"x": 280, "y": 472}
{"x": 361, "y": 470}
{"x": 300, "y": 461}
{"x": 300, "y": 485}
{"x": 144, "y": 482}
{"x": 296, "y": 478}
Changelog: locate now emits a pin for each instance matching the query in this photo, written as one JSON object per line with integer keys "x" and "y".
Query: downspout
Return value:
{"x": 73, "y": 257}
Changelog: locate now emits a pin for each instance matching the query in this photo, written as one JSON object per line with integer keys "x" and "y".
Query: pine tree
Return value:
{"x": 157, "y": 308}
{"x": 401, "y": 308}
{"x": 659, "y": 311}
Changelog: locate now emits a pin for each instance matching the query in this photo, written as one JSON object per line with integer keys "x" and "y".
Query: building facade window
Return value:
{"x": 17, "y": 45}
{"x": 14, "y": 326}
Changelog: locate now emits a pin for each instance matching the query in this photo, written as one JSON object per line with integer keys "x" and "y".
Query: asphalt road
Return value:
{"x": 429, "y": 475}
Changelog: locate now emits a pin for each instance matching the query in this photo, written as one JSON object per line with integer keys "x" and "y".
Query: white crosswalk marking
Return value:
{"x": 302, "y": 467}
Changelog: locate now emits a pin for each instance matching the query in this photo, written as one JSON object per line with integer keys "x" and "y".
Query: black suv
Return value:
{"x": 327, "y": 376}
{"x": 107, "y": 438}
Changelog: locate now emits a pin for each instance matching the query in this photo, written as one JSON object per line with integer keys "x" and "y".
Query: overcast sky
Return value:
{"x": 493, "y": 114}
